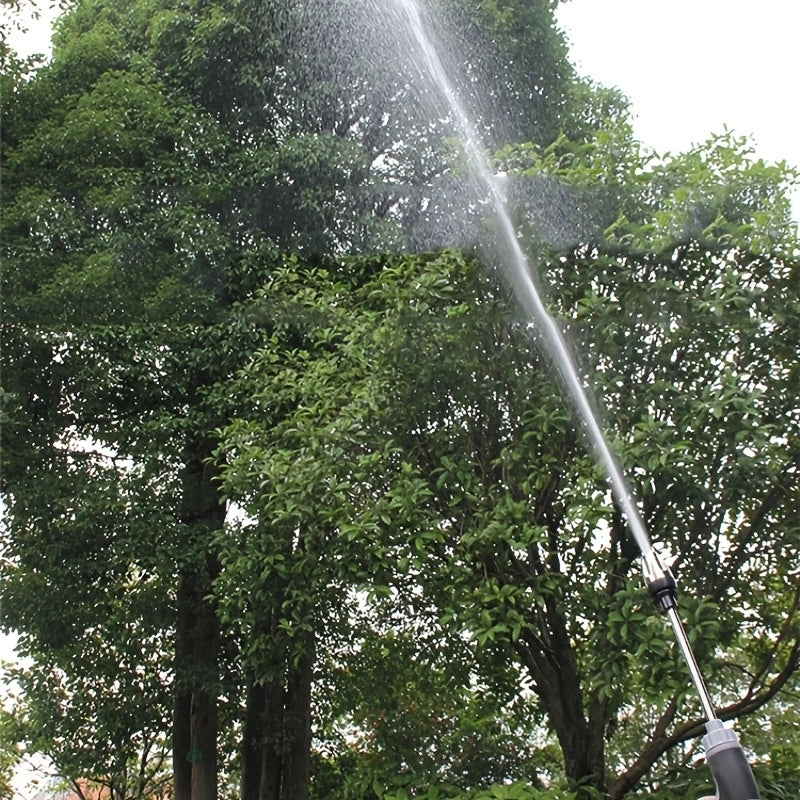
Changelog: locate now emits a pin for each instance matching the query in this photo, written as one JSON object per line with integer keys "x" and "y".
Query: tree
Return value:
{"x": 10, "y": 755}
{"x": 433, "y": 428}
{"x": 154, "y": 171}
{"x": 184, "y": 329}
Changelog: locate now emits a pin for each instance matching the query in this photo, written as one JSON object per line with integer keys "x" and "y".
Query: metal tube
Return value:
{"x": 691, "y": 663}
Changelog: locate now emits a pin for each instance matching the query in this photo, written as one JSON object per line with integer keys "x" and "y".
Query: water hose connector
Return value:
{"x": 659, "y": 581}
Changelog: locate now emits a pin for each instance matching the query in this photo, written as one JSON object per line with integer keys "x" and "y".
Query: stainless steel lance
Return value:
{"x": 724, "y": 754}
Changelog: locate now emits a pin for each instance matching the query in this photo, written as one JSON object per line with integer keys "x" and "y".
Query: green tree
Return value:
{"x": 153, "y": 171}
{"x": 377, "y": 420}
{"x": 10, "y": 755}
{"x": 427, "y": 423}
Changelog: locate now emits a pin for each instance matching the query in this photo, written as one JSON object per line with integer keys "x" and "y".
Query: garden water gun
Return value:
{"x": 724, "y": 755}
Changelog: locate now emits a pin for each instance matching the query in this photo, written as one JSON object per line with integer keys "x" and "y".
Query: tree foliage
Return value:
{"x": 271, "y": 493}
{"x": 426, "y": 417}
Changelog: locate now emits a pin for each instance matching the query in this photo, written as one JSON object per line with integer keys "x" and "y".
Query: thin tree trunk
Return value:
{"x": 273, "y": 746}
{"x": 253, "y": 737}
{"x": 297, "y": 764}
{"x": 197, "y": 635}
{"x": 181, "y": 745}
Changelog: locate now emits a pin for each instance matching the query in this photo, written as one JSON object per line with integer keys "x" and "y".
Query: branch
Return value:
{"x": 782, "y": 637}
{"x": 659, "y": 743}
{"x": 77, "y": 788}
{"x": 752, "y": 702}
{"x": 770, "y": 500}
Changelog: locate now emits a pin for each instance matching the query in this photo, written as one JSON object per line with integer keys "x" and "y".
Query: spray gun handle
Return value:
{"x": 728, "y": 764}
{"x": 724, "y": 754}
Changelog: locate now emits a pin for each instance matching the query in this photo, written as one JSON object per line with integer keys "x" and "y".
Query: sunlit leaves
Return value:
{"x": 718, "y": 192}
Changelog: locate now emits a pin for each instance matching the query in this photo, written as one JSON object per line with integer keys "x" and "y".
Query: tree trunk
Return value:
{"x": 253, "y": 737}
{"x": 297, "y": 760}
{"x": 262, "y": 767}
{"x": 204, "y": 745}
{"x": 181, "y": 745}
{"x": 197, "y": 636}
{"x": 272, "y": 757}
{"x": 547, "y": 652}
{"x": 550, "y": 661}
{"x": 276, "y": 751}
{"x": 197, "y": 672}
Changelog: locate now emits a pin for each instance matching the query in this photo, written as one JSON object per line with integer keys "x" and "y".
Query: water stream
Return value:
{"x": 517, "y": 266}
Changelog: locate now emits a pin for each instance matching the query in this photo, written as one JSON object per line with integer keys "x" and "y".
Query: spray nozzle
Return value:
{"x": 659, "y": 581}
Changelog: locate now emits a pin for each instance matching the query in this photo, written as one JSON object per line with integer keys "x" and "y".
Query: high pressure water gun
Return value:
{"x": 724, "y": 755}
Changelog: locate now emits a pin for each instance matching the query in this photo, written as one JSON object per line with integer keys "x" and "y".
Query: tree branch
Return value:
{"x": 659, "y": 743}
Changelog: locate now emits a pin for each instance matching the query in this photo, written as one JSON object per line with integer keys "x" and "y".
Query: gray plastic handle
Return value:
{"x": 728, "y": 764}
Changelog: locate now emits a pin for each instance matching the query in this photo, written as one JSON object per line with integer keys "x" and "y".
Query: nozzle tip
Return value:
{"x": 659, "y": 581}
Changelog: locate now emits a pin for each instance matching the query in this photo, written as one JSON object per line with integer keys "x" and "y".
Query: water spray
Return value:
{"x": 724, "y": 754}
